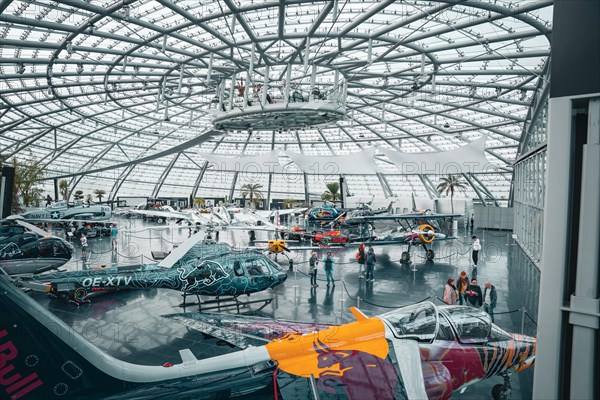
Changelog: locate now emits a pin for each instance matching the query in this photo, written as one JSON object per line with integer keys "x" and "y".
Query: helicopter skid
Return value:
{"x": 223, "y": 303}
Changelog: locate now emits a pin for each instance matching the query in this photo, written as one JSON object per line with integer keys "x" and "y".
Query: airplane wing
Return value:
{"x": 362, "y": 360}
{"x": 243, "y": 331}
{"x": 393, "y": 217}
{"x": 285, "y": 211}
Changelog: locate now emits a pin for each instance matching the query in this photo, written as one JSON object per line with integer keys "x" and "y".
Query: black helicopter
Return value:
{"x": 27, "y": 249}
{"x": 213, "y": 269}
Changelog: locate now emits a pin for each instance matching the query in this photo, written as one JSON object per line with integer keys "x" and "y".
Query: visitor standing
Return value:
{"x": 114, "y": 232}
{"x": 476, "y": 248}
{"x": 84, "y": 245}
{"x": 489, "y": 306}
{"x": 370, "y": 263}
{"x": 450, "y": 293}
{"x": 474, "y": 297}
{"x": 463, "y": 284}
{"x": 328, "y": 261}
{"x": 472, "y": 221}
{"x": 361, "y": 257}
{"x": 313, "y": 262}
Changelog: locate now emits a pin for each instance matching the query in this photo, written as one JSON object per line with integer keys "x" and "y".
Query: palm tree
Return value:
{"x": 99, "y": 193}
{"x": 199, "y": 202}
{"x": 78, "y": 195}
{"x": 252, "y": 190}
{"x": 332, "y": 193}
{"x": 63, "y": 188}
{"x": 288, "y": 203}
{"x": 450, "y": 184}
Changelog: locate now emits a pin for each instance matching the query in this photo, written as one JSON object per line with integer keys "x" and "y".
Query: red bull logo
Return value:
{"x": 14, "y": 384}
{"x": 354, "y": 374}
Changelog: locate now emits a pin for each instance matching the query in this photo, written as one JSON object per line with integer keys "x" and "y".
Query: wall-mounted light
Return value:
{"x": 20, "y": 68}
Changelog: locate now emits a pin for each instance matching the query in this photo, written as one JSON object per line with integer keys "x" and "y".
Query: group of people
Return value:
{"x": 469, "y": 293}
{"x": 313, "y": 263}
{"x": 366, "y": 259}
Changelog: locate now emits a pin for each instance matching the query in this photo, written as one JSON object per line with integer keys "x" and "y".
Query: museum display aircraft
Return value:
{"x": 413, "y": 229}
{"x": 328, "y": 211}
{"x": 162, "y": 213}
{"x": 212, "y": 269}
{"x": 27, "y": 249}
{"x": 415, "y": 352}
{"x": 64, "y": 211}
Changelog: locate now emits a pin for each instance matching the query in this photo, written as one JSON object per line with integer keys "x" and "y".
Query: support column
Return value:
{"x": 306, "y": 192}
{"x": 387, "y": 190}
{"x": 427, "y": 188}
{"x": 475, "y": 189}
{"x": 56, "y": 190}
{"x": 198, "y": 180}
{"x": 584, "y": 312}
{"x": 265, "y": 91}
{"x": 342, "y": 191}
{"x": 269, "y": 191}
{"x": 485, "y": 189}
{"x": 233, "y": 182}
{"x": 164, "y": 175}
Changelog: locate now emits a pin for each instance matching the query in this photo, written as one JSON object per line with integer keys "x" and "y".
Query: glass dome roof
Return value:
{"x": 118, "y": 95}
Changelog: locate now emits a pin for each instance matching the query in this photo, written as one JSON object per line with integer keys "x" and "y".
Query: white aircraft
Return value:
{"x": 62, "y": 211}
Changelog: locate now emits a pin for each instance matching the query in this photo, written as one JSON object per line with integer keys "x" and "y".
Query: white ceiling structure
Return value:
{"x": 120, "y": 95}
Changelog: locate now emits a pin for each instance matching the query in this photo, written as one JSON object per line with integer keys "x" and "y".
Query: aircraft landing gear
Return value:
{"x": 502, "y": 391}
{"x": 429, "y": 254}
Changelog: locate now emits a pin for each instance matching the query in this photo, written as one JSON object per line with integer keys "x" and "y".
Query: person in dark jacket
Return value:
{"x": 328, "y": 261}
{"x": 490, "y": 304}
{"x": 473, "y": 294}
{"x": 313, "y": 261}
{"x": 370, "y": 263}
{"x": 462, "y": 286}
{"x": 361, "y": 257}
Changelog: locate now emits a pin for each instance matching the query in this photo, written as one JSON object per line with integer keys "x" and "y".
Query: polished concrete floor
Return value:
{"x": 130, "y": 325}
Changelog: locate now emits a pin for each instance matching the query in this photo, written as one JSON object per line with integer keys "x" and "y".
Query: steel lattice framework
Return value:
{"x": 114, "y": 94}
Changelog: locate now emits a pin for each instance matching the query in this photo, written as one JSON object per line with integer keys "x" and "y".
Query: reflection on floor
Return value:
{"x": 128, "y": 324}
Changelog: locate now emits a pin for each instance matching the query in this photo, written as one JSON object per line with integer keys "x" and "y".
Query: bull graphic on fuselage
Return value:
{"x": 359, "y": 374}
{"x": 207, "y": 273}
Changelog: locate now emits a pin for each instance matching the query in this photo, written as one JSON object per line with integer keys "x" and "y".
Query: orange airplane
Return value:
{"x": 415, "y": 352}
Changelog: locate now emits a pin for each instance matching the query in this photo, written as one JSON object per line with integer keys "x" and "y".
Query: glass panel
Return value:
{"x": 471, "y": 325}
{"x": 418, "y": 321}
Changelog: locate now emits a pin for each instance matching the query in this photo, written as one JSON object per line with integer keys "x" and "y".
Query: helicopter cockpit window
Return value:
{"x": 59, "y": 248}
{"x": 257, "y": 267}
{"x": 237, "y": 268}
{"x": 418, "y": 321}
{"x": 471, "y": 325}
{"x": 45, "y": 249}
{"x": 253, "y": 268}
